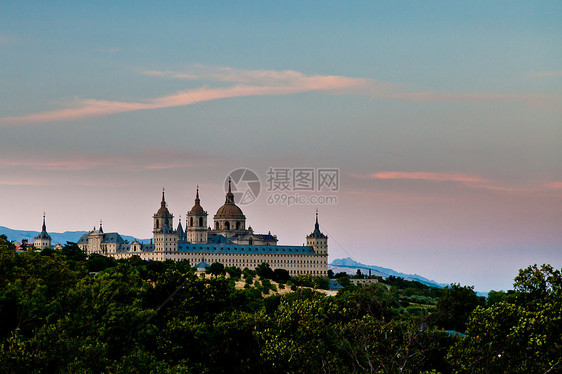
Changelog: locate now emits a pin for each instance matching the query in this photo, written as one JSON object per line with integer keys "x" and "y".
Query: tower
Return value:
{"x": 229, "y": 218}
{"x": 197, "y": 222}
{"x": 164, "y": 237}
{"x": 179, "y": 231}
{"x": 43, "y": 240}
{"x": 317, "y": 240}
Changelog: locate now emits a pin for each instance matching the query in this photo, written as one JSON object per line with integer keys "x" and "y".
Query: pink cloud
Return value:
{"x": 471, "y": 181}
{"x": 271, "y": 78}
{"x": 148, "y": 160}
{"x": 531, "y": 99}
{"x": 259, "y": 83}
{"x": 265, "y": 84}
{"x": 423, "y": 176}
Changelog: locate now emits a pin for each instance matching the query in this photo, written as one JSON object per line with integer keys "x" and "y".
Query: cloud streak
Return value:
{"x": 245, "y": 83}
{"x": 260, "y": 83}
{"x": 155, "y": 159}
{"x": 471, "y": 181}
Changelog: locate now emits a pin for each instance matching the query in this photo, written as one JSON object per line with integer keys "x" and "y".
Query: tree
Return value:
{"x": 234, "y": 272}
{"x": 454, "y": 306}
{"x": 281, "y": 275}
{"x": 520, "y": 335}
{"x": 73, "y": 252}
{"x": 216, "y": 269}
{"x": 264, "y": 271}
{"x": 97, "y": 262}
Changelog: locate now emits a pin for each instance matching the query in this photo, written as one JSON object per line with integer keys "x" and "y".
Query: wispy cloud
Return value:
{"x": 423, "y": 176}
{"x": 149, "y": 160}
{"x": 262, "y": 83}
{"x": 467, "y": 180}
{"x": 244, "y": 83}
{"x": 548, "y": 74}
{"x": 554, "y": 102}
{"x": 268, "y": 78}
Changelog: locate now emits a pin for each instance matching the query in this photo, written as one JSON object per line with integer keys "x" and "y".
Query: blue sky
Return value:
{"x": 443, "y": 118}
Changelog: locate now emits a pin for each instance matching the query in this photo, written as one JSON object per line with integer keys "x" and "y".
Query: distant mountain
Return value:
{"x": 350, "y": 266}
{"x": 56, "y": 237}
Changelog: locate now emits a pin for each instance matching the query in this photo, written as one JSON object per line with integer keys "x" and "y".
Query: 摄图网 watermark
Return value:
{"x": 285, "y": 186}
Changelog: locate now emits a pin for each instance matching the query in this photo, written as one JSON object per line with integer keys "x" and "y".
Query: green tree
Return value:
{"x": 520, "y": 335}
{"x": 454, "y": 306}
{"x": 72, "y": 252}
{"x": 216, "y": 269}
{"x": 264, "y": 271}
{"x": 281, "y": 275}
{"x": 234, "y": 272}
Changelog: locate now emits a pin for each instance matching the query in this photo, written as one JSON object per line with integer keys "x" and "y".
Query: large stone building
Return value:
{"x": 228, "y": 241}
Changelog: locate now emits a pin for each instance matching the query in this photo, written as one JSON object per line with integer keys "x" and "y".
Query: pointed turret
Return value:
{"x": 163, "y": 219}
{"x": 179, "y": 230}
{"x": 43, "y": 240}
{"x": 44, "y": 227}
{"x": 196, "y": 226}
{"x": 317, "y": 233}
{"x": 229, "y": 195}
{"x": 317, "y": 240}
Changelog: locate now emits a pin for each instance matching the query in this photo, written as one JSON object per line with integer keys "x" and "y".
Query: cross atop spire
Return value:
{"x": 316, "y": 225}
{"x": 197, "y": 201}
{"x": 44, "y": 227}
{"x": 229, "y": 194}
{"x": 317, "y": 233}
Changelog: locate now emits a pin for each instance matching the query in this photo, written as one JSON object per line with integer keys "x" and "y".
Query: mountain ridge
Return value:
{"x": 345, "y": 264}
{"x": 56, "y": 237}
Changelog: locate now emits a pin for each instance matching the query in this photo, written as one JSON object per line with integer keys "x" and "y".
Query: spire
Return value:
{"x": 229, "y": 194}
{"x": 316, "y": 225}
{"x": 101, "y": 229}
{"x": 317, "y": 233}
{"x": 197, "y": 201}
{"x": 44, "y": 227}
{"x": 163, "y": 203}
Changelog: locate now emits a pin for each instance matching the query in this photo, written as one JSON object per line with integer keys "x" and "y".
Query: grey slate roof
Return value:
{"x": 238, "y": 248}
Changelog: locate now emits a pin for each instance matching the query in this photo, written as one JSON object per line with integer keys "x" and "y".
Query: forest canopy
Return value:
{"x": 63, "y": 312}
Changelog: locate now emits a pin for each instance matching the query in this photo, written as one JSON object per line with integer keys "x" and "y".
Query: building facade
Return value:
{"x": 227, "y": 241}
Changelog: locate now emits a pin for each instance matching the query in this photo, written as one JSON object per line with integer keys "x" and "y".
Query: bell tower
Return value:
{"x": 317, "y": 240}
{"x": 43, "y": 240}
{"x": 197, "y": 222}
{"x": 164, "y": 237}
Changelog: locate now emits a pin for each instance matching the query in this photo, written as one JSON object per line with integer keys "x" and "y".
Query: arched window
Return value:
{"x": 216, "y": 225}
{"x": 200, "y": 221}
{"x": 157, "y": 223}
{"x": 227, "y": 225}
{"x": 237, "y": 225}
{"x": 190, "y": 221}
{"x": 250, "y": 241}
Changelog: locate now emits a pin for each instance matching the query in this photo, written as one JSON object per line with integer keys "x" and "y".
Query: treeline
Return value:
{"x": 60, "y": 312}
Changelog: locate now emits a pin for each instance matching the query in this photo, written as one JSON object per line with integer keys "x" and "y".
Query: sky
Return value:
{"x": 439, "y": 122}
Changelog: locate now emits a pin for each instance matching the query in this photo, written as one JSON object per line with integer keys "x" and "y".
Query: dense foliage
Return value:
{"x": 60, "y": 312}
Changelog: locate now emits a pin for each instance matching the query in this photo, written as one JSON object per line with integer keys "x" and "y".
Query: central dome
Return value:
{"x": 229, "y": 210}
